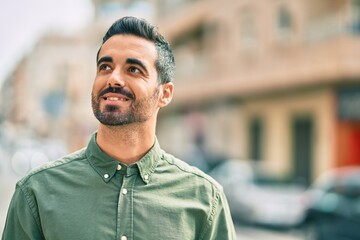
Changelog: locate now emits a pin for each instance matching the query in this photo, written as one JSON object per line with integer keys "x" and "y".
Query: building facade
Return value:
{"x": 275, "y": 81}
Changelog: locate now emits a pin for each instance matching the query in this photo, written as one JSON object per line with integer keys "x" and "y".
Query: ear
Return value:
{"x": 166, "y": 94}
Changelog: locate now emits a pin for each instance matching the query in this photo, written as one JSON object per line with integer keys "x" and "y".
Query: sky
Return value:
{"x": 23, "y": 22}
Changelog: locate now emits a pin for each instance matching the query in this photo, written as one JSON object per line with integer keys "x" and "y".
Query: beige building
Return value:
{"x": 274, "y": 81}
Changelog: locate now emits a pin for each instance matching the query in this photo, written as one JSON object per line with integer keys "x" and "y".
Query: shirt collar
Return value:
{"x": 106, "y": 166}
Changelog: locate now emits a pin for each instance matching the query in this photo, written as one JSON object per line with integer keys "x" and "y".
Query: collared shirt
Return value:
{"x": 88, "y": 195}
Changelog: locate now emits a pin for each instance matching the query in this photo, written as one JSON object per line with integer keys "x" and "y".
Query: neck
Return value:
{"x": 127, "y": 143}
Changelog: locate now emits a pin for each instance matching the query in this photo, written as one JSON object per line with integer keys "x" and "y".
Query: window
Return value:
{"x": 54, "y": 101}
{"x": 191, "y": 58}
{"x": 248, "y": 37}
{"x": 355, "y": 17}
{"x": 285, "y": 23}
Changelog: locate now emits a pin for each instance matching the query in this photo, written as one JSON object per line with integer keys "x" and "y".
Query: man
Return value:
{"x": 122, "y": 186}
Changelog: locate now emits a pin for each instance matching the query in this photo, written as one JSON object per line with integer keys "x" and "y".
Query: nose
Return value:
{"x": 115, "y": 79}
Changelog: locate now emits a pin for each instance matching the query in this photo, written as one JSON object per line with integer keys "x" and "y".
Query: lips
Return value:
{"x": 116, "y": 94}
{"x": 115, "y": 97}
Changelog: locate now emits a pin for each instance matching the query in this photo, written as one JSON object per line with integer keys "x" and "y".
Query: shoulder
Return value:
{"x": 53, "y": 166}
{"x": 190, "y": 172}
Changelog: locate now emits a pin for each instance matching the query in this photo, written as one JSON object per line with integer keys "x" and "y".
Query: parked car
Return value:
{"x": 334, "y": 211}
{"x": 255, "y": 201}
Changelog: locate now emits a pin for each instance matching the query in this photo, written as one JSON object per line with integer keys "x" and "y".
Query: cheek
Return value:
{"x": 96, "y": 86}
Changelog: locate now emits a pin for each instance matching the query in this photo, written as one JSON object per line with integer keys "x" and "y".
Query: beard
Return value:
{"x": 113, "y": 115}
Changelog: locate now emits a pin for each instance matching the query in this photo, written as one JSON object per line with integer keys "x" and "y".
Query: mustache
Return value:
{"x": 117, "y": 90}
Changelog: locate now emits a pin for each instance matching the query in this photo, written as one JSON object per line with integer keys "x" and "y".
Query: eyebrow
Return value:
{"x": 104, "y": 59}
{"x": 135, "y": 61}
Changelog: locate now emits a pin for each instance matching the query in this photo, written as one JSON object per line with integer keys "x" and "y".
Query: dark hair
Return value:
{"x": 165, "y": 62}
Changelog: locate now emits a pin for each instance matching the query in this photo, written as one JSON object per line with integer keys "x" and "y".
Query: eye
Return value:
{"x": 134, "y": 69}
{"x": 104, "y": 67}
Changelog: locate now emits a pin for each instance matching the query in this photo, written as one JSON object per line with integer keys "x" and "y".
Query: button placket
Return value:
{"x": 125, "y": 207}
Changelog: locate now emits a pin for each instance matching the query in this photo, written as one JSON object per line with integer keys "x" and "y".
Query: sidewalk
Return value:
{"x": 252, "y": 233}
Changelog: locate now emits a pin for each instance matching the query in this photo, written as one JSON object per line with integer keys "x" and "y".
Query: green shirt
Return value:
{"x": 88, "y": 195}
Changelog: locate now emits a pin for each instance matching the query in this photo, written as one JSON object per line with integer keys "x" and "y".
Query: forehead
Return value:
{"x": 129, "y": 46}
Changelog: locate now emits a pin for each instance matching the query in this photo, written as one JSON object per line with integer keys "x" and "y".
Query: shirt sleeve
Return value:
{"x": 20, "y": 221}
{"x": 220, "y": 225}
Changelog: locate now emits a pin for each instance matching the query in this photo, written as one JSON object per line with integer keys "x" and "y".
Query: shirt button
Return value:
{"x": 146, "y": 177}
{"x": 119, "y": 167}
{"x": 106, "y": 176}
{"x": 123, "y": 238}
{"x": 124, "y": 191}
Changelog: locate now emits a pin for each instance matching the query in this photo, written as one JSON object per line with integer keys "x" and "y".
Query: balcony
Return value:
{"x": 335, "y": 60}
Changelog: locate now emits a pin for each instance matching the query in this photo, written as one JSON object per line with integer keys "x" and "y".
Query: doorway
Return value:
{"x": 302, "y": 136}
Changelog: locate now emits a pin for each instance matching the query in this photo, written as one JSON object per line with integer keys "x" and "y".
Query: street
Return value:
{"x": 252, "y": 233}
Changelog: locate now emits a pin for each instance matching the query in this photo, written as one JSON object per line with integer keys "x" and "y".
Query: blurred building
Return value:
{"x": 58, "y": 75}
{"x": 51, "y": 88}
{"x": 274, "y": 81}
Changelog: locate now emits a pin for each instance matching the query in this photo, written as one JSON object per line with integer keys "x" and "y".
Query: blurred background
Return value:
{"x": 267, "y": 100}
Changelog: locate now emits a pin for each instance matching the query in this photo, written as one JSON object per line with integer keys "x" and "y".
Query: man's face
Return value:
{"x": 126, "y": 88}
